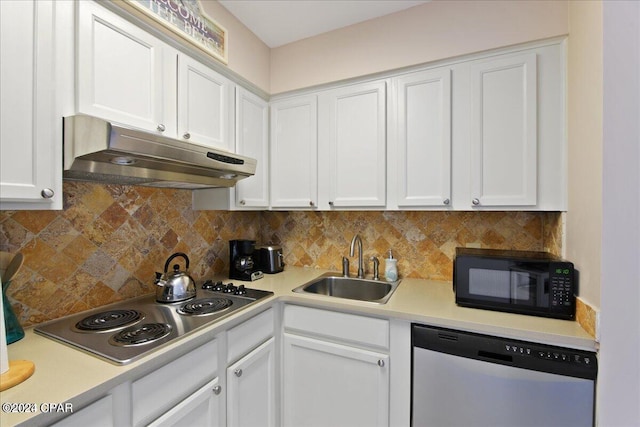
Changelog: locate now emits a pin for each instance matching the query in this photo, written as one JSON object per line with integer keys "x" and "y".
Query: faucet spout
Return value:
{"x": 357, "y": 239}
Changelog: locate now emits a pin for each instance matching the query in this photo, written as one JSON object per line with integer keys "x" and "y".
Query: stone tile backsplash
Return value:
{"x": 109, "y": 241}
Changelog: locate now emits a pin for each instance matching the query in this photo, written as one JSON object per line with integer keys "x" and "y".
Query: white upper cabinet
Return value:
{"x": 252, "y": 139}
{"x": 128, "y": 76}
{"x": 419, "y": 154}
{"x": 352, "y": 142}
{"x": 124, "y": 73}
{"x": 294, "y": 153}
{"x": 503, "y": 131}
{"x": 509, "y": 130}
{"x": 205, "y": 105}
{"x": 30, "y": 124}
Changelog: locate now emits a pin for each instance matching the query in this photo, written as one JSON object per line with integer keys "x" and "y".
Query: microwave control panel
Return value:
{"x": 561, "y": 286}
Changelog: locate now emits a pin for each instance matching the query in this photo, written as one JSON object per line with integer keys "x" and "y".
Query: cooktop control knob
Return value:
{"x": 210, "y": 285}
{"x": 241, "y": 290}
{"x": 230, "y": 289}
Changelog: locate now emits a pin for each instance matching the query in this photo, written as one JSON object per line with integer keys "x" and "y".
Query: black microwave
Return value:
{"x": 533, "y": 283}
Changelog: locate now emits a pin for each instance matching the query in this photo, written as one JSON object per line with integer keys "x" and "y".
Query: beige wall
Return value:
{"x": 248, "y": 56}
{"x": 433, "y": 31}
{"x": 584, "y": 217}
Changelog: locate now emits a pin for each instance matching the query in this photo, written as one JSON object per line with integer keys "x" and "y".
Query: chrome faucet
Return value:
{"x": 360, "y": 263}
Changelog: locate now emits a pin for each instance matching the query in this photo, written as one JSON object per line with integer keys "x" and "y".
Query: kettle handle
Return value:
{"x": 177, "y": 254}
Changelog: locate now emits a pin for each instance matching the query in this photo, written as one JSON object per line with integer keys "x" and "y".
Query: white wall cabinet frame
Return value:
{"x": 503, "y": 131}
{"x": 30, "y": 125}
{"x": 419, "y": 152}
{"x": 294, "y": 153}
{"x": 352, "y": 145}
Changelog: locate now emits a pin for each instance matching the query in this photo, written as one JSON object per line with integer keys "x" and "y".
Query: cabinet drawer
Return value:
{"x": 249, "y": 335}
{"x": 157, "y": 392}
{"x": 339, "y": 326}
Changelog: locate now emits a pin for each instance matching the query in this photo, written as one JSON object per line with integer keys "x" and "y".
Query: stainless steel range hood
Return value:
{"x": 97, "y": 150}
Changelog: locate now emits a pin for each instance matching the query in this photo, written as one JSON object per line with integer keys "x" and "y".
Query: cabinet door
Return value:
{"x": 504, "y": 131}
{"x": 352, "y": 142}
{"x": 328, "y": 384}
{"x": 205, "y": 105}
{"x": 252, "y": 139}
{"x": 251, "y": 388}
{"x": 124, "y": 74}
{"x": 99, "y": 414}
{"x": 420, "y": 152}
{"x": 294, "y": 153}
{"x": 30, "y": 125}
{"x": 202, "y": 408}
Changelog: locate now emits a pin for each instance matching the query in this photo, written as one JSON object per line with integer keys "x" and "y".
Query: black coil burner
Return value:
{"x": 140, "y": 334}
{"x": 204, "y": 306}
{"x": 108, "y": 320}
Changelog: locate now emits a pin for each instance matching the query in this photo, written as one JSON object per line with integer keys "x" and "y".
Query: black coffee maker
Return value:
{"x": 243, "y": 263}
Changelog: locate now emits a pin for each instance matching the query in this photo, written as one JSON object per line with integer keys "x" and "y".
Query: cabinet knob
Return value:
{"x": 242, "y": 202}
{"x": 330, "y": 203}
{"x": 311, "y": 203}
{"x": 217, "y": 389}
{"x": 186, "y": 135}
{"x": 475, "y": 201}
{"x": 47, "y": 193}
{"x": 238, "y": 372}
{"x": 161, "y": 128}
{"x": 446, "y": 201}
{"x": 381, "y": 363}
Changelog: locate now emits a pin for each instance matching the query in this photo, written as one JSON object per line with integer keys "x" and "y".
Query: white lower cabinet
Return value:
{"x": 251, "y": 372}
{"x": 173, "y": 385}
{"x": 328, "y": 384}
{"x": 199, "y": 409}
{"x": 251, "y": 388}
{"x": 98, "y": 414}
{"x": 336, "y": 369}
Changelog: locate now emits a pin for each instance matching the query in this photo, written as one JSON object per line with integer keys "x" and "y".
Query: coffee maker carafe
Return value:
{"x": 243, "y": 265}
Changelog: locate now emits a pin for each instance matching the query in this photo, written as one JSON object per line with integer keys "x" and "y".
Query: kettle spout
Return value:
{"x": 159, "y": 281}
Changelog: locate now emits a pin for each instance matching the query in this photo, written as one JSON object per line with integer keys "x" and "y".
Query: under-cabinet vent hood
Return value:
{"x": 98, "y": 150}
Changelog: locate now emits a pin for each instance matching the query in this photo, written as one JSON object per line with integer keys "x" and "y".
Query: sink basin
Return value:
{"x": 335, "y": 285}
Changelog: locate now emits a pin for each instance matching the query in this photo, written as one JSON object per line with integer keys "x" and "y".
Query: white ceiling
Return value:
{"x": 278, "y": 22}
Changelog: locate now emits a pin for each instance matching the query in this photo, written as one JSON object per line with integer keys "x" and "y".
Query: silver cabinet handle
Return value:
{"x": 186, "y": 135}
{"x": 446, "y": 201}
{"x": 47, "y": 193}
{"x": 217, "y": 389}
{"x": 161, "y": 127}
{"x": 381, "y": 363}
{"x": 475, "y": 202}
{"x": 238, "y": 372}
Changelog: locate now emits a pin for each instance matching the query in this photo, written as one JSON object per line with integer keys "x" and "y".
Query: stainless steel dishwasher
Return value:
{"x": 467, "y": 379}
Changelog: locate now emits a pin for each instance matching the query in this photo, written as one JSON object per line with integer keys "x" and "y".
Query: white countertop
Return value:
{"x": 63, "y": 373}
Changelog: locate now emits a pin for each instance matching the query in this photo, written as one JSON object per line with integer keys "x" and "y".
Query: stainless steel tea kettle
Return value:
{"x": 176, "y": 285}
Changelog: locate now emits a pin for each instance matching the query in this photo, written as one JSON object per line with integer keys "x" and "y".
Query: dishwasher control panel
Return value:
{"x": 520, "y": 354}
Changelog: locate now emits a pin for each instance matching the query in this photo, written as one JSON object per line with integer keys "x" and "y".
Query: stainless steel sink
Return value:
{"x": 334, "y": 285}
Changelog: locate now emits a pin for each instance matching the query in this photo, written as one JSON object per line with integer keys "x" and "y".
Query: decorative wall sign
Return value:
{"x": 187, "y": 19}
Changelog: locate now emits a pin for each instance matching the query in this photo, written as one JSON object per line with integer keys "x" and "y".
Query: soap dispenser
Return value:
{"x": 391, "y": 268}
